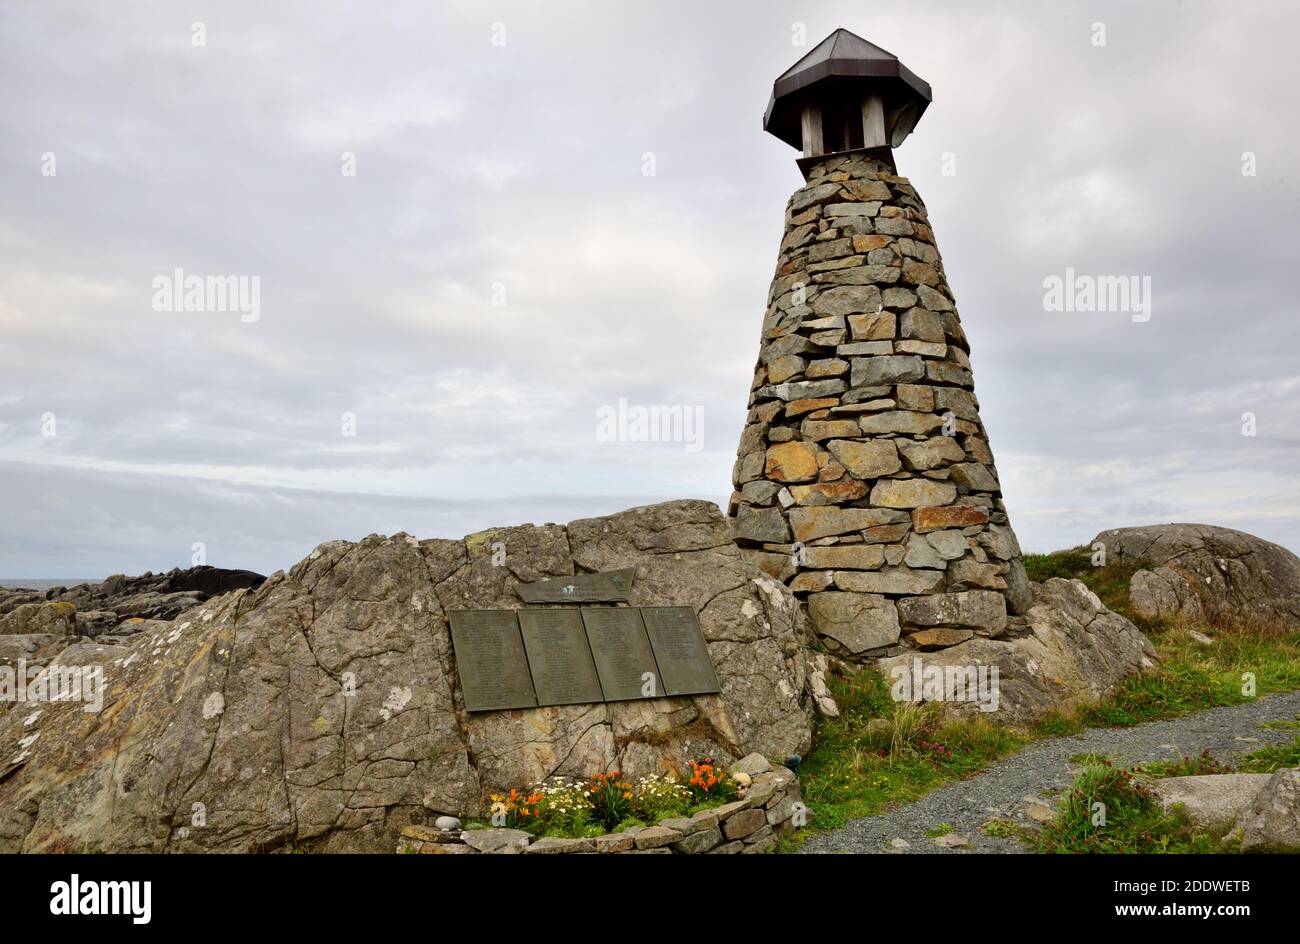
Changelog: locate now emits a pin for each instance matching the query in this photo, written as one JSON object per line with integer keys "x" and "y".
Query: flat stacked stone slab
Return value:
{"x": 864, "y": 478}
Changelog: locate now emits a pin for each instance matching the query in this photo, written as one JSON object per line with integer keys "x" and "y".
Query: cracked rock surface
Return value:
{"x": 323, "y": 707}
{"x": 1235, "y": 575}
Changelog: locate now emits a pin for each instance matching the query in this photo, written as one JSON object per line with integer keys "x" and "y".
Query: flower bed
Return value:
{"x": 744, "y": 810}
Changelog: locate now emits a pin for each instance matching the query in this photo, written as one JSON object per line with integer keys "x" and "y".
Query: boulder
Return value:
{"x": 1164, "y": 594}
{"x": 1068, "y": 651}
{"x": 1236, "y": 575}
{"x": 52, "y": 619}
{"x": 30, "y": 648}
{"x": 1210, "y": 800}
{"x": 1272, "y": 822}
{"x": 751, "y": 765}
{"x": 323, "y": 709}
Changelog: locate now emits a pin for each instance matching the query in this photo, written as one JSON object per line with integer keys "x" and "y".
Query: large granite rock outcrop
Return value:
{"x": 37, "y": 625}
{"x": 323, "y": 707}
{"x": 92, "y": 609}
{"x": 1226, "y": 574}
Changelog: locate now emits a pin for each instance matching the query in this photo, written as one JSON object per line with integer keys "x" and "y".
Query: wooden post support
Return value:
{"x": 812, "y": 131}
{"x": 873, "y": 122}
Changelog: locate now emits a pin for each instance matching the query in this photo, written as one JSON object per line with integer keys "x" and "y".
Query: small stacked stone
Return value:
{"x": 767, "y": 811}
{"x": 864, "y": 478}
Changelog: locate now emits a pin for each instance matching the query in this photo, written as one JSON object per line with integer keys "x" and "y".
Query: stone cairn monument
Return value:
{"x": 864, "y": 478}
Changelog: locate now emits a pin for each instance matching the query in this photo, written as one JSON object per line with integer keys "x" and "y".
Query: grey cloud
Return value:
{"x": 522, "y": 165}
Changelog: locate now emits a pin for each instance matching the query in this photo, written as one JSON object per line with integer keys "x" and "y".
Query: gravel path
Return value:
{"x": 1004, "y": 790}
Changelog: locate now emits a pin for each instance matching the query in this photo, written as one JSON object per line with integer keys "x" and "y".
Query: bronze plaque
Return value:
{"x": 684, "y": 664}
{"x": 611, "y": 587}
{"x": 624, "y": 660}
{"x": 559, "y": 657}
{"x": 490, "y": 655}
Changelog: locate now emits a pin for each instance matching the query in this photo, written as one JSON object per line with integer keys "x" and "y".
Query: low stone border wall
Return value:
{"x": 751, "y": 824}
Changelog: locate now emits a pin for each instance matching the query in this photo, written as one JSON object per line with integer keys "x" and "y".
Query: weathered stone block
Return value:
{"x": 895, "y": 581}
{"x": 828, "y": 367}
{"x": 931, "y": 454}
{"x": 891, "y": 369}
{"x": 848, "y": 300}
{"x": 921, "y": 325}
{"x": 829, "y": 493}
{"x": 764, "y": 525}
{"x": 929, "y": 640}
{"x": 912, "y": 493}
{"x": 950, "y": 516}
{"x": 792, "y": 462}
{"x": 971, "y": 609}
{"x": 845, "y": 557}
{"x": 974, "y": 574}
{"x": 800, "y": 407}
{"x": 975, "y": 476}
{"x": 857, "y": 621}
{"x": 807, "y": 389}
{"x": 865, "y": 349}
{"x": 745, "y": 822}
{"x": 818, "y": 430}
{"x": 783, "y": 368}
{"x": 652, "y": 837}
{"x": 877, "y": 326}
{"x": 865, "y": 460}
{"x": 698, "y": 842}
{"x": 808, "y": 524}
{"x": 900, "y": 421}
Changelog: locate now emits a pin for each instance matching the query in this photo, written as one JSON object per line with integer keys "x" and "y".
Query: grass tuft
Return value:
{"x": 1110, "y": 810}
{"x": 1273, "y": 757}
{"x": 878, "y": 753}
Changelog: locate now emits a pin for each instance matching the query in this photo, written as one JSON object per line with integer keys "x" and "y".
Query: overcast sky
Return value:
{"x": 501, "y": 155}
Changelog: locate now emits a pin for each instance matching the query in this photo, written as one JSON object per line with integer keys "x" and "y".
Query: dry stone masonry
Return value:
{"x": 864, "y": 478}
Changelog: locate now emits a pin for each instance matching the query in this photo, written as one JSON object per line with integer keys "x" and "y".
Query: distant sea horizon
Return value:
{"x": 44, "y": 583}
